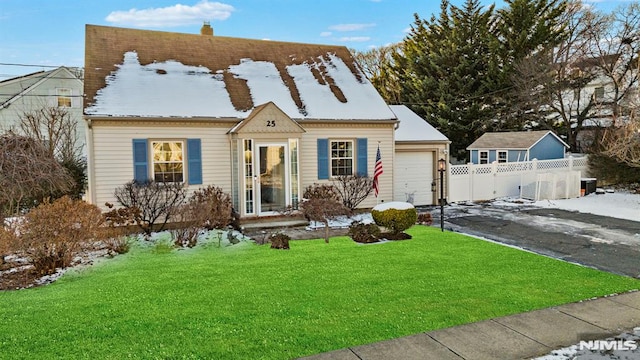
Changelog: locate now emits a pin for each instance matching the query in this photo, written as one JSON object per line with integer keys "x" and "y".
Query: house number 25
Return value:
{"x": 271, "y": 123}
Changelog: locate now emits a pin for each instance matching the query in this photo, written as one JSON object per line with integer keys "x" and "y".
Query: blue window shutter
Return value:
{"x": 323, "y": 159}
{"x": 194, "y": 158}
{"x": 140, "y": 161}
{"x": 362, "y": 157}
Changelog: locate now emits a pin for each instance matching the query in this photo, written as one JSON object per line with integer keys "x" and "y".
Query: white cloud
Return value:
{"x": 326, "y": 33}
{"x": 354, "y": 39}
{"x": 351, "y": 27}
{"x": 176, "y": 15}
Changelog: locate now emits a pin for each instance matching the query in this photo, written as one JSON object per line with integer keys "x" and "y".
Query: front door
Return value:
{"x": 273, "y": 185}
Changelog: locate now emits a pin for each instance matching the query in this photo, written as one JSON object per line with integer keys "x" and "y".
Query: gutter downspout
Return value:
{"x": 91, "y": 178}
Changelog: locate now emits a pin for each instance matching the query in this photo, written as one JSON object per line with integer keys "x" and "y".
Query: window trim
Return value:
{"x": 67, "y": 98}
{"x": 184, "y": 157}
{"x": 352, "y": 157}
{"x": 506, "y": 156}
{"x": 480, "y": 159}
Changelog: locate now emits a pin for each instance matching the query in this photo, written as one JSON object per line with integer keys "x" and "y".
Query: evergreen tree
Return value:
{"x": 527, "y": 31}
{"x": 446, "y": 74}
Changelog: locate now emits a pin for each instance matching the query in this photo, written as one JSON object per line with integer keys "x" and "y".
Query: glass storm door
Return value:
{"x": 273, "y": 178}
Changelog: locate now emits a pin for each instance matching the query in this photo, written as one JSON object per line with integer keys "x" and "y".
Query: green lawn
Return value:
{"x": 251, "y": 302}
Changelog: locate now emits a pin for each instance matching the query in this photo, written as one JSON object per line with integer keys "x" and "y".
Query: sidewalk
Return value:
{"x": 520, "y": 336}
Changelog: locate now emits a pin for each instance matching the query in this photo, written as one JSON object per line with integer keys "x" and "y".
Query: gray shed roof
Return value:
{"x": 511, "y": 140}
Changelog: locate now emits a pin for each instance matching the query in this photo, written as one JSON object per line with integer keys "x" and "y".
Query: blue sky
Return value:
{"x": 51, "y": 32}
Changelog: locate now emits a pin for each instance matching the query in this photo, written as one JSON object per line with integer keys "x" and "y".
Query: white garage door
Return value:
{"x": 412, "y": 177}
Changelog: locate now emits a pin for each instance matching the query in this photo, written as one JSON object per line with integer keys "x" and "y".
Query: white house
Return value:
{"x": 61, "y": 87}
{"x": 260, "y": 119}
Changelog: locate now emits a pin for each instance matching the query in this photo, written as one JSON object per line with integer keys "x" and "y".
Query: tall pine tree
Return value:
{"x": 444, "y": 68}
{"x": 527, "y": 31}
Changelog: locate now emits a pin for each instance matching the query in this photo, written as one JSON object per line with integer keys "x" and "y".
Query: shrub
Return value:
{"x": 8, "y": 242}
{"x": 118, "y": 220}
{"x": 318, "y": 191}
{"x": 353, "y": 189}
{"x": 396, "y": 217}
{"x": 117, "y": 245}
{"x": 364, "y": 233}
{"x": 53, "y": 233}
{"x": 156, "y": 202}
{"x": 28, "y": 174}
{"x": 425, "y": 219}
{"x": 187, "y": 227}
{"x": 211, "y": 208}
{"x": 280, "y": 241}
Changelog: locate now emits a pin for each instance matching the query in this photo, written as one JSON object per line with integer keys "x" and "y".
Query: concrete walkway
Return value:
{"x": 521, "y": 336}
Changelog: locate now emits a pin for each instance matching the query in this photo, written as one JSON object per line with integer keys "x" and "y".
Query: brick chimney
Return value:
{"x": 206, "y": 29}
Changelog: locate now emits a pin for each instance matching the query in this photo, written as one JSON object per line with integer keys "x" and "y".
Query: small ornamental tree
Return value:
{"x": 353, "y": 189}
{"x": 322, "y": 204}
{"x": 156, "y": 201}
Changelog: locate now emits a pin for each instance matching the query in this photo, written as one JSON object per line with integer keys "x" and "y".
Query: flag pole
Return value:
{"x": 376, "y": 173}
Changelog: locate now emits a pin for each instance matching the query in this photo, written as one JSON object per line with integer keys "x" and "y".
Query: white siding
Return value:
{"x": 113, "y": 155}
{"x": 413, "y": 174}
{"x": 381, "y": 134}
{"x": 41, "y": 95}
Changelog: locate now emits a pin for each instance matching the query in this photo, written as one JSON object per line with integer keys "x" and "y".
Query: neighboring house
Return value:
{"x": 61, "y": 87}
{"x": 260, "y": 119}
{"x": 593, "y": 103}
{"x": 515, "y": 146}
{"x": 419, "y": 146}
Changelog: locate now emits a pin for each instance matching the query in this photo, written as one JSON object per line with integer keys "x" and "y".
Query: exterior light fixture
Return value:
{"x": 442, "y": 167}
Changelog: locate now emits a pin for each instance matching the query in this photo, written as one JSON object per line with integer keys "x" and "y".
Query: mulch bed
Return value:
{"x": 18, "y": 279}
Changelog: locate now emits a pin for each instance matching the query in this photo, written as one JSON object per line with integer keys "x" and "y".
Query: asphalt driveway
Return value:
{"x": 601, "y": 242}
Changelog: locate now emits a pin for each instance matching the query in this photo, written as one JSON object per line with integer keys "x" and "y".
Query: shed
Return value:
{"x": 516, "y": 146}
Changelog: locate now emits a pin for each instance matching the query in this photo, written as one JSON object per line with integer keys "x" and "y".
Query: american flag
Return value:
{"x": 377, "y": 172}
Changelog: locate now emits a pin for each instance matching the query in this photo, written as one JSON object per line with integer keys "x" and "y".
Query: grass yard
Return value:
{"x": 251, "y": 302}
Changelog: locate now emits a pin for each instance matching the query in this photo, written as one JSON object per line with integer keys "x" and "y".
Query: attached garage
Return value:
{"x": 418, "y": 146}
{"x": 413, "y": 173}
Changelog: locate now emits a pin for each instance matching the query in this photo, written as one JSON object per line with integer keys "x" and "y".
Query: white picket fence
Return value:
{"x": 536, "y": 180}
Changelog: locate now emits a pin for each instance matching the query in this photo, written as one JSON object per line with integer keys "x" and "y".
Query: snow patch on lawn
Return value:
{"x": 342, "y": 222}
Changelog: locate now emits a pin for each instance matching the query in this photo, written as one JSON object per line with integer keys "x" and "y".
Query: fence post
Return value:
{"x": 570, "y": 162}
{"x": 471, "y": 172}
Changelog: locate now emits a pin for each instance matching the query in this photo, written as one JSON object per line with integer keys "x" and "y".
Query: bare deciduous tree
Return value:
{"x": 157, "y": 202}
{"x": 353, "y": 189}
{"x": 28, "y": 173}
{"x": 323, "y": 211}
{"x": 623, "y": 143}
{"x": 55, "y": 128}
{"x": 617, "y": 46}
{"x": 376, "y": 64}
{"x": 322, "y": 204}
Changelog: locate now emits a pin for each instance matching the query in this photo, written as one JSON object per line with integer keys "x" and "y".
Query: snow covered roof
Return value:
{"x": 141, "y": 73}
{"x": 414, "y": 128}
